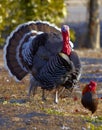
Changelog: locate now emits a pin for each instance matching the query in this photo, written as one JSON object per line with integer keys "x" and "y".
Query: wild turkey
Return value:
{"x": 41, "y": 49}
{"x": 89, "y": 97}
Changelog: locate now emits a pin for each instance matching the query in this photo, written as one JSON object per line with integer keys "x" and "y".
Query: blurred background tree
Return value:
{"x": 93, "y": 35}
{"x": 15, "y": 12}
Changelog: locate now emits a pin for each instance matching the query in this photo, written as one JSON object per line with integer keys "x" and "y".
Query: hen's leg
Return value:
{"x": 58, "y": 93}
{"x": 32, "y": 89}
{"x": 33, "y": 86}
{"x": 56, "y": 97}
{"x": 43, "y": 95}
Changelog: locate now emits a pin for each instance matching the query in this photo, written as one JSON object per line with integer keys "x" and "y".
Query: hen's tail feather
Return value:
{"x": 12, "y": 50}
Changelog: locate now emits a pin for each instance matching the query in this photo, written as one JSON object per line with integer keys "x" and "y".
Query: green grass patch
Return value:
{"x": 53, "y": 111}
{"x": 94, "y": 123}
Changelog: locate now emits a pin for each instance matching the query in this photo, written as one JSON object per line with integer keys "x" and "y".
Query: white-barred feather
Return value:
{"x": 26, "y": 49}
{"x": 5, "y": 60}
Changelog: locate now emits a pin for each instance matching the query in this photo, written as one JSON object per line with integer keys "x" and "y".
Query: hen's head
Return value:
{"x": 67, "y": 44}
{"x": 89, "y": 97}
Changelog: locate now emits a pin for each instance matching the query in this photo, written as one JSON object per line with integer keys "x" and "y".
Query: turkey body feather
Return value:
{"x": 36, "y": 48}
{"x": 55, "y": 72}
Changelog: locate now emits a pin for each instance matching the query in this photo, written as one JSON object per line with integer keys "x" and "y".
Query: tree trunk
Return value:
{"x": 93, "y": 38}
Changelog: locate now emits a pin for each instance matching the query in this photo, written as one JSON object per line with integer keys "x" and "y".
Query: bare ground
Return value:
{"x": 18, "y": 112}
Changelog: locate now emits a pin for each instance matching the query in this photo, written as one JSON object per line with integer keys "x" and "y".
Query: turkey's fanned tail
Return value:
{"x": 24, "y": 33}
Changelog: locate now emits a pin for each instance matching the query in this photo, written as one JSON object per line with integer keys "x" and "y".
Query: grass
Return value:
{"x": 17, "y": 112}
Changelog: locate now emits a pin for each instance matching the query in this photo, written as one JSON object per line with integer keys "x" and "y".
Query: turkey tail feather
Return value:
{"x": 13, "y": 58}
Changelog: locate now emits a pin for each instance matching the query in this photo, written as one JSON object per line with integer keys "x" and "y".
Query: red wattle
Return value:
{"x": 66, "y": 45}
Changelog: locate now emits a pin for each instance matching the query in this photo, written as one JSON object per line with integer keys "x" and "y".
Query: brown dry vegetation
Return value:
{"x": 18, "y": 112}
